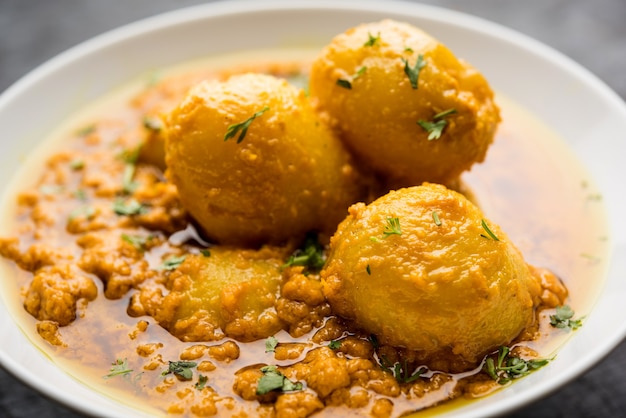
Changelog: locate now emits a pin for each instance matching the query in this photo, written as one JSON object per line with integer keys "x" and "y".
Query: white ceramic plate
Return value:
{"x": 575, "y": 104}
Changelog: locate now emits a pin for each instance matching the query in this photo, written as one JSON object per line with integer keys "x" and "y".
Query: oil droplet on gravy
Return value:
{"x": 530, "y": 184}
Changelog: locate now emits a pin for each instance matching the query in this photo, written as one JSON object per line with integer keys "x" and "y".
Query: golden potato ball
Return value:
{"x": 229, "y": 293}
{"x": 418, "y": 269}
{"x": 283, "y": 174}
{"x": 360, "y": 79}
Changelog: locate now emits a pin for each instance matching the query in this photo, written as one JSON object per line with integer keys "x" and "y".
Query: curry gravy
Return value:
{"x": 530, "y": 184}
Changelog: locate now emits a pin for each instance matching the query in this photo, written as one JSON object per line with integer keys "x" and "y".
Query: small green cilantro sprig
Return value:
{"x": 413, "y": 73}
{"x": 310, "y": 255}
{"x": 270, "y": 344}
{"x": 346, "y": 83}
{"x": 392, "y": 227}
{"x": 119, "y": 368}
{"x": 181, "y": 369}
{"x": 507, "y": 367}
{"x": 563, "y": 318}
{"x": 401, "y": 371}
{"x": 242, "y": 128}
{"x": 436, "y": 126}
{"x": 274, "y": 380}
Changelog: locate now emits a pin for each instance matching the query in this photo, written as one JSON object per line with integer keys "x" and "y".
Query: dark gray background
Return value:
{"x": 592, "y": 32}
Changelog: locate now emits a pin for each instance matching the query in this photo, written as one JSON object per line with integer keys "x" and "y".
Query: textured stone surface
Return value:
{"x": 591, "y": 32}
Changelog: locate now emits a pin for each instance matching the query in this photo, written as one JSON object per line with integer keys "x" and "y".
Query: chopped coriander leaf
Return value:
{"x": 120, "y": 367}
{"x": 152, "y": 123}
{"x": 507, "y": 367}
{"x": 401, "y": 371}
{"x": 444, "y": 113}
{"x": 205, "y": 252}
{"x": 172, "y": 263}
{"x": 392, "y": 227}
{"x": 130, "y": 156}
{"x": 242, "y": 127}
{"x": 82, "y": 211}
{"x": 270, "y": 344}
{"x": 436, "y": 218}
{"x": 310, "y": 255}
{"x": 563, "y": 318}
{"x": 414, "y": 72}
{"x": 436, "y": 126}
{"x": 201, "y": 383}
{"x": 128, "y": 185}
{"x": 368, "y": 269}
{"x": 408, "y": 49}
{"x": 181, "y": 369}
{"x": 334, "y": 344}
{"x": 128, "y": 208}
{"x": 137, "y": 241}
{"x": 77, "y": 164}
{"x": 434, "y": 129}
{"x": 272, "y": 379}
{"x": 347, "y": 83}
{"x": 372, "y": 40}
{"x": 489, "y": 231}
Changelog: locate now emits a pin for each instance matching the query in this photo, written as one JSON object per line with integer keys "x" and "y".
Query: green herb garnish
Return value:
{"x": 137, "y": 241}
{"x": 401, "y": 371}
{"x": 82, "y": 211}
{"x": 310, "y": 255}
{"x": 414, "y": 72}
{"x": 563, "y": 318}
{"x": 128, "y": 208}
{"x": 334, "y": 344}
{"x": 372, "y": 40}
{"x": 205, "y": 252}
{"x": 392, "y": 227}
{"x": 130, "y": 158}
{"x": 506, "y": 367}
{"x": 347, "y": 83}
{"x": 436, "y": 126}
{"x": 272, "y": 379}
{"x": 368, "y": 269}
{"x": 172, "y": 263}
{"x": 181, "y": 369}
{"x": 201, "y": 383}
{"x": 242, "y": 127}
{"x": 120, "y": 367}
{"x": 270, "y": 344}
{"x": 489, "y": 231}
{"x": 436, "y": 218}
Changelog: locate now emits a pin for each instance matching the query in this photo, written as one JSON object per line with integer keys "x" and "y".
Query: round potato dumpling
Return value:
{"x": 254, "y": 164}
{"x": 229, "y": 293}
{"x": 422, "y": 268}
{"x": 403, "y": 103}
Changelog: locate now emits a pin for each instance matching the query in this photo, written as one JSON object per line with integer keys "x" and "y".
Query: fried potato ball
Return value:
{"x": 418, "y": 269}
{"x": 404, "y": 103}
{"x": 279, "y": 174}
{"x": 229, "y": 293}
